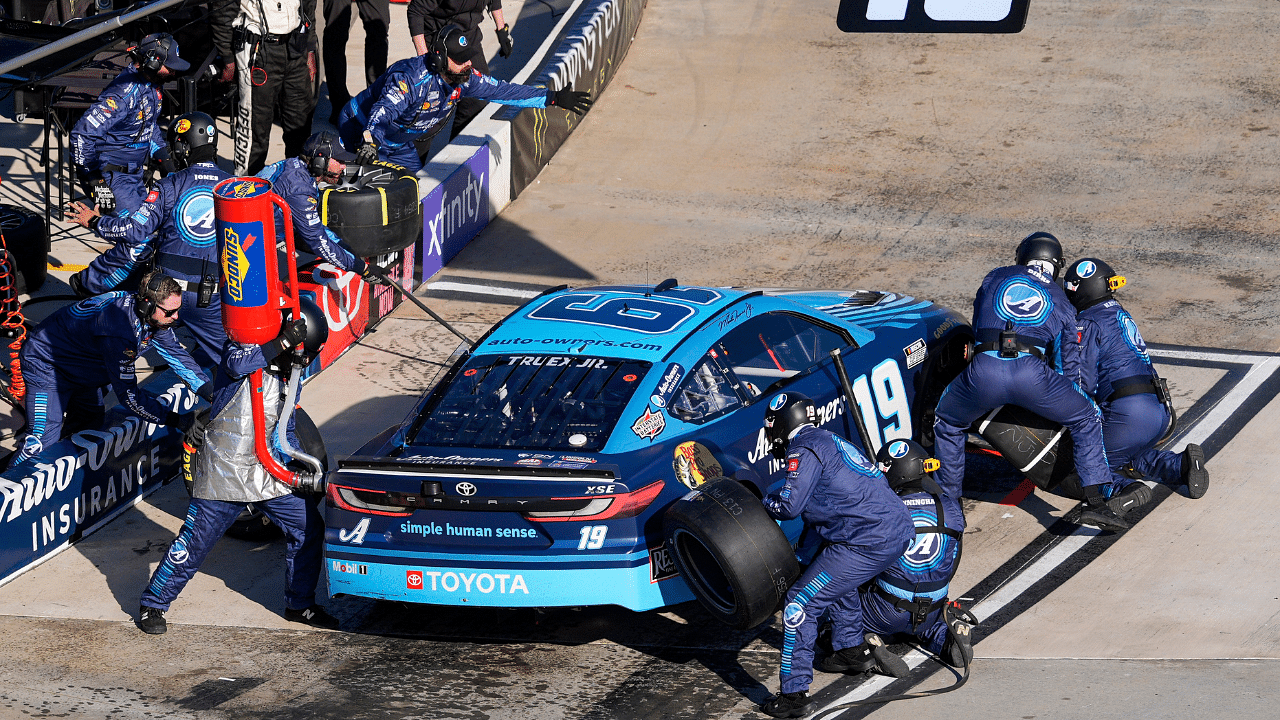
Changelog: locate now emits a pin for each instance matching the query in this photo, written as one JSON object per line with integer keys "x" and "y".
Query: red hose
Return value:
{"x": 265, "y": 457}
{"x": 11, "y": 321}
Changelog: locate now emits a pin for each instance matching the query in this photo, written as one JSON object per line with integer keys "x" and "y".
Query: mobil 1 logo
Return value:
{"x": 932, "y": 16}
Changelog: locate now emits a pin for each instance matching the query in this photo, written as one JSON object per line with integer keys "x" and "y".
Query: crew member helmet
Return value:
{"x": 1090, "y": 281}
{"x": 905, "y": 463}
{"x": 1040, "y": 249}
{"x": 317, "y": 330}
{"x": 787, "y": 413}
{"x": 189, "y": 132}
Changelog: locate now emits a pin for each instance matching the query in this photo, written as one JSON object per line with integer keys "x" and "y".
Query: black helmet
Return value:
{"x": 1090, "y": 281}
{"x": 905, "y": 463}
{"x": 317, "y": 330}
{"x": 191, "y": 131}
{"x": 1043, "y": 247}
{"x": 787, "y": 413}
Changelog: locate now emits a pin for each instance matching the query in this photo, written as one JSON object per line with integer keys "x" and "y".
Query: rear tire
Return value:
{"x": 731, "y": 554}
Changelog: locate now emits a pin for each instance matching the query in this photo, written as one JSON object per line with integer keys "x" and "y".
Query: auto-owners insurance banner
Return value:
{"x": 587, "y": 56}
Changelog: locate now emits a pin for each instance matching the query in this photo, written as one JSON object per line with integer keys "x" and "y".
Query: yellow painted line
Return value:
{"x": 67, "y": 268}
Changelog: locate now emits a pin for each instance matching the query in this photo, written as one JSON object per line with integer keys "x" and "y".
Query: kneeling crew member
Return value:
{"x": 227, "y": 476}
{"x": 1028, "y": 355}
{"x": 112, "y": 141}
{"x": 94, "y": 343}
{"x": 296, "y": 181}
{"x": 846, "y": 500}
{"x": 178, "y": 214}
{"x": 414, "y": 97}
{"x": 1136, "y": 408}
{"x": 911, "y": 596}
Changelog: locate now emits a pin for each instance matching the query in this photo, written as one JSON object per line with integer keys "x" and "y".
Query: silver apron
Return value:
{"x": 227, "y": 467}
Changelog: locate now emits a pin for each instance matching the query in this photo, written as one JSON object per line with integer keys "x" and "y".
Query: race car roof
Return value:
{"x": 632, "y": 321}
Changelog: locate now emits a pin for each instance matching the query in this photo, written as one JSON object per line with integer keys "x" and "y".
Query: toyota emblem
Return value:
{"x": 465, "y": 488}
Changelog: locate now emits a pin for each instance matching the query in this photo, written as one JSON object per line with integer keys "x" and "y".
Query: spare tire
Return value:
{"x": 374, "y": 209}
{"x": 731, "y": 554}
{"x": 27, "y": 239}
{"x": 1040, "y": 449}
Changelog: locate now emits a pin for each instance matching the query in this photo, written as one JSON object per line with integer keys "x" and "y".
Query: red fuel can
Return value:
{"x": 253, "y": 293}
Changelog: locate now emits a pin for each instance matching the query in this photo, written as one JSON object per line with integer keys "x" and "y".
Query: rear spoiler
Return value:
{"x": 442, "y": 465}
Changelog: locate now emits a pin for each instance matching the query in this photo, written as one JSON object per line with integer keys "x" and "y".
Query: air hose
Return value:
{"x": 282, "y": 435}
{"x": 12, "y": 328}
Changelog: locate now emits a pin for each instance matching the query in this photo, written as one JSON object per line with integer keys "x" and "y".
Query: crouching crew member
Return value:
{"x": 296, "y": 181}
{"x": 417, "y": 94}
{"x": 846, "y": 500}
{"x": 1028, "y": 354}
{"x": 111, "y": 143}
{"x": 178, "y": 214}
{"x": 911, "y": 596}
{"x": 227, "y": 476}
{"x": 1136, "y": 407}
{"x": 94, "y": 343}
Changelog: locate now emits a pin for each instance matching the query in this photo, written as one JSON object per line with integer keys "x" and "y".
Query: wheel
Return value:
{"x": 942, "y": 366}
{"x": 252, "y": 524}
{"x": 27, "y": 238}
{"x": 1040, "y": 449}
{"x": 374, "y": 209}
{"x": 731, "y": 554}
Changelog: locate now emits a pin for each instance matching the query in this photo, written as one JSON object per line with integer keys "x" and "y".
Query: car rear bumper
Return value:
{"x": 502, "y": 581}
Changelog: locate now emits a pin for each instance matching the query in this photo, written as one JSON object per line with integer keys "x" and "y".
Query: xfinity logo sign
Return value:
{"x": 932, "y": 16}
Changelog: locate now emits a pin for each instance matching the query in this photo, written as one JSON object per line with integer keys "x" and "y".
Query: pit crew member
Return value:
{"x": 416, "y": 94}
{"x": 910, "y": 597}
{"x": 296, "y": 180}
{"x": 227, "y": 476}
{"x": 269, "y": 49}
{"x": 1117, "y": 372}
{"x": 1028, "y": 354}
{"x": 174, "y": 229}
{"x": 426, "y": 17}
{"x": 111, "y": 142}
{"x": 866, "y": 528}
{"x": 94, "y": 343}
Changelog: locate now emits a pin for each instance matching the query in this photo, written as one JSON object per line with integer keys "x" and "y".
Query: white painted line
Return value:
{"x": 1263, "y": 367}
{"x": 482, "y": 289}
{"x": 1211, "y": 356}
{"x": 1230, "y": 402}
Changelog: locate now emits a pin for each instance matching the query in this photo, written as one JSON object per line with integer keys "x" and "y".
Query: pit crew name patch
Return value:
{"x": 933, "y": 16}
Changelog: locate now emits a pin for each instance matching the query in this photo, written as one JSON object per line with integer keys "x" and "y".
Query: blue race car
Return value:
{"x": 536, "y": 472}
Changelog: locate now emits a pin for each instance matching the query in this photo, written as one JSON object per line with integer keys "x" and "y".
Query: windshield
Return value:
{"x": 530, "y": 402}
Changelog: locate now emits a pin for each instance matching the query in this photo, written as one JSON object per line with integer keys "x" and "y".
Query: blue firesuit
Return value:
{"x": 1038, "y": 310}
{"x": 290, "y": 180}
{"x": 847, "y": 501}
{"x": 180, "y": 212}
{"x": 116, "y": 136}
{"x": 87, "y": 346}
{"x": 410, "y": 100}
{"x": 1117, "y": 372}
{"x": 909, "y": 596}
{"x": 208, "y": 519}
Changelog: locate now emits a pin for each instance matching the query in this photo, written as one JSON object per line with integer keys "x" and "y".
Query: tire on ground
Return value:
{"x": 374, "y": 209}
{"x": 731, "y": 554}
{"x": 252, "y": 524}
{"x": 1038, "y": 448}
{"x": 27, "y": 239}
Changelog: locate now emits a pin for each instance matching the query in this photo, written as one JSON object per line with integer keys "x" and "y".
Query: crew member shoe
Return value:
{"x": 1132, "y": 497}
{"x": 787, "y": 705}
{"x": 1193, "y": 472}
{"x": 887, "y": 662}
{"x": 851, "y": 660}
{"x": 315, "y": 616}
{"x": 151, "y": 620}
{"x": 957, "y": 651}
{"x": 1102, "y": 517}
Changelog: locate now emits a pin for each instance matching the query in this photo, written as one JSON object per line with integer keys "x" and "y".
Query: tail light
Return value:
{"x": 601, "y": 507}
{"x": 375, "y": 502}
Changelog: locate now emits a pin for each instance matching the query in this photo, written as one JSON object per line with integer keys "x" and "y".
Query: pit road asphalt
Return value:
{"x": 753, "y": 143}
